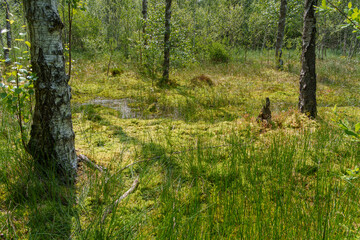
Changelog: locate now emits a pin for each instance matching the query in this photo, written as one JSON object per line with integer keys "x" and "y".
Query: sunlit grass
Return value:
{"x": 207, "y": 169}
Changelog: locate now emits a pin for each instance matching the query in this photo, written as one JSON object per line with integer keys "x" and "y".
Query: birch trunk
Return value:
{"x": 8, "y": 34}
{"x": 52, "y": 138}
{"x": 307, "y": 98}
{"x": 281, "y": 31}
{"x": 167, "y": 47}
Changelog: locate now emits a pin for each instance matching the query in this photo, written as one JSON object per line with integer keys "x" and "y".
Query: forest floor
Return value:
{"x": 206, "y": 168}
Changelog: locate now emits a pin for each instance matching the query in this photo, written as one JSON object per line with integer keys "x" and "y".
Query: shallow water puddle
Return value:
{"x": 120, "y": 105}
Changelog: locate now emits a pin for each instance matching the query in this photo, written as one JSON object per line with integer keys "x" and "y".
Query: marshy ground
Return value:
{"x": 207, "y": 169}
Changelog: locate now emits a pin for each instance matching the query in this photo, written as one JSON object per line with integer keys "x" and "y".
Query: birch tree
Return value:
{"x": 307, "y": 99}
{"x": 52, "y": 138}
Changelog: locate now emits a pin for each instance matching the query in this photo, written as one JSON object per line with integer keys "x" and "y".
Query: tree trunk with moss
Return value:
{"x": 167, "y": 46}
{"x": 52, "y": 138}
{"x": 307, "y": 99}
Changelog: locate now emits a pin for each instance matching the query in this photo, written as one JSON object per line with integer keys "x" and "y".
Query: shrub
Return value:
{"x": 218, "y": 53}
{"x": 202, "y": 80}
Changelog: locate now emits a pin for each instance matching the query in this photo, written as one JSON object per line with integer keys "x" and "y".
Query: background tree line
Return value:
{"x": 199, "y": 25}
{"x": 200, "y": 28}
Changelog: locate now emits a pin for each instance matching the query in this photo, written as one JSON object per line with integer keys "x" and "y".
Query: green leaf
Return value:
{"x": 18, "y": 90}
{"x": 351, "y": 133}
{"x": 323, "y": 3}
{"x": 357, "y": 127}
{"x": 350, "y": 5}
{"x": 3, "y": 95}
{"x": 28, "y": 43}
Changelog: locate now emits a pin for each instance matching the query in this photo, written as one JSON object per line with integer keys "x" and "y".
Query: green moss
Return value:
{"x": 206, "y": 167}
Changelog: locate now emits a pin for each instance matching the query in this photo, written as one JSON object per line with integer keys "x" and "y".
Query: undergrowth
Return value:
{"x": 207, "y": 169}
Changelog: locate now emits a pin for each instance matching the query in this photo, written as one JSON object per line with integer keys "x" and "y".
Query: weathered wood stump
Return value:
{"x": 265, "y": 114}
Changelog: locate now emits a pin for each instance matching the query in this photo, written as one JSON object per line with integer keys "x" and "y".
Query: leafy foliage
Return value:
{"x": 218, "y": 53}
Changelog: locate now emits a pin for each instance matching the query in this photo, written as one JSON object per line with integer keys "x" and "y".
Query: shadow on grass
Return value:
{"x": 41, "y": 202}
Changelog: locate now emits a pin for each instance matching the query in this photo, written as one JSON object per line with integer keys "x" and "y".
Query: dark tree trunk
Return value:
{"x": 145, "y": 17}
{"x": 195, "y": 23}
{"x": 167, "y": 47}
{"x": 52, "y": 138}
{"x": 344, "y": 44}
{"x": 1, "y": 39}
{"x": 8, "y": 34}
{"x": 280, "y": 33}
{"x": 353, "y": 50}
{"x": 307, "y": 99}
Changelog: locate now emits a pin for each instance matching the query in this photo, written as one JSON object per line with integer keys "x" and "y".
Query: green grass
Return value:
{"x": 210, "y": 171}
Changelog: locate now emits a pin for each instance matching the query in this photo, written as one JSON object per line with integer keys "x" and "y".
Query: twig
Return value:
{"x": 127, "y": 193}
{"x": 19, "y": 115}
{"x": 346, "y": 16}
{"x": 83, "y": 158}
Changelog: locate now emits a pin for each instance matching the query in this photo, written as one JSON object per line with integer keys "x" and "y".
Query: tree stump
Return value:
{"x": 265, "y": 114}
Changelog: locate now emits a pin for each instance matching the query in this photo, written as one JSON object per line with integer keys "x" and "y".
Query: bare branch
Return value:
{"x": 127, "y": 193}
{"x": 83, "y": 158}
{"x": 346, "y": 16}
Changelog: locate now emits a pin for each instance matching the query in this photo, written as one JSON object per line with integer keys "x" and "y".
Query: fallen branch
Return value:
{"x": 127, "y": 193}
{"x": 83, "y": 158}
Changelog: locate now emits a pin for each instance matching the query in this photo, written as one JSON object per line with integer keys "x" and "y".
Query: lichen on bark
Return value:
{"x": 52, "y": 138}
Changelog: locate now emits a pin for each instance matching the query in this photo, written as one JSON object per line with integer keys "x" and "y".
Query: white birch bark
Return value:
{"x": 307, "y": 98}
{"x": 52, "y": 137}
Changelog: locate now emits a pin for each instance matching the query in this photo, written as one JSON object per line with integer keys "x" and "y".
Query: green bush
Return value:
{"x": 218, "y": 53}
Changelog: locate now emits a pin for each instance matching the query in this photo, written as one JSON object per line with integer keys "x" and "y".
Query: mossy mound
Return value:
{"x": 202, "y": 80}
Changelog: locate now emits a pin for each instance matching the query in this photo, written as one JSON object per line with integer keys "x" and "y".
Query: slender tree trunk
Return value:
{"x": 70, "y": 9}
{"x": 195, "y": 23}
{"x": 353, "y": 50}
{"x": 52, "y": 138}
{"x": 1, "y": 39}
{"x": 63, "y": 5}
{"x": 280, "y": 33}
{"x": 307, "y": 99}
{"x": 167, "y": 47}
{"x": 8, "y": 34}
{"x": 264, "y": 41}
{"x": 344, "y": 44}
{"x": 145, "y": 17}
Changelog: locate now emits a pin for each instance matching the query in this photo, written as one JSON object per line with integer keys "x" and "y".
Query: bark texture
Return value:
{"x": 281, "y": 31}
{"x": 307, "y": 99}
{"x": 52, "y": 137}
{"x": 8, "y": 33}
{"x": 167, "y": 47}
